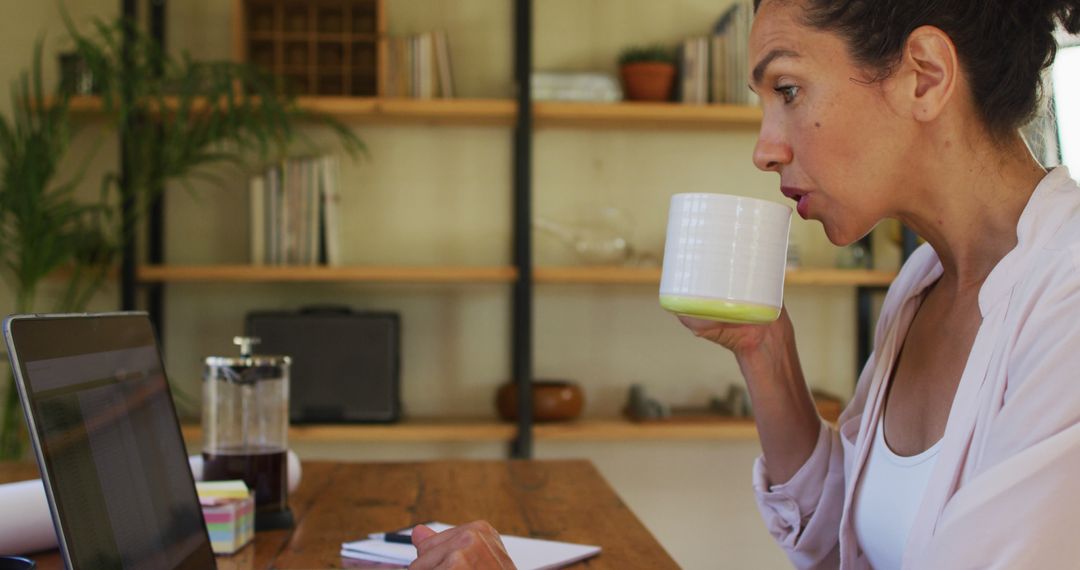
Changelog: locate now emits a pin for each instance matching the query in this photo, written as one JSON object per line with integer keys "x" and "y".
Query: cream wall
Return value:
{"x": 442, "y": 195}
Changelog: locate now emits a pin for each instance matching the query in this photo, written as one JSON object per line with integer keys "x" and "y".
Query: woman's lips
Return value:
{"x": 801, "y": 197}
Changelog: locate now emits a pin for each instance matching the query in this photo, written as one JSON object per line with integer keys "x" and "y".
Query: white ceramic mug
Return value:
{"x": 724, "y": 258}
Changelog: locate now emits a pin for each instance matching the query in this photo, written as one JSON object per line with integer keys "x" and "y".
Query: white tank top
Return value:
{"x": 888, "y": 495}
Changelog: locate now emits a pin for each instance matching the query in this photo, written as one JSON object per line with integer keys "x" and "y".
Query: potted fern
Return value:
{"x": 647, "y": 72}
{"x": 176, "y": 116}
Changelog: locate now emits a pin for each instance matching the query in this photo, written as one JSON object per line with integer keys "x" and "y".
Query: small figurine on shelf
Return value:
{"x": 647, "y": 72}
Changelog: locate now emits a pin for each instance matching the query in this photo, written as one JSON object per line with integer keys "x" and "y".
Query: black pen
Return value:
{"x": 403, "y": 536}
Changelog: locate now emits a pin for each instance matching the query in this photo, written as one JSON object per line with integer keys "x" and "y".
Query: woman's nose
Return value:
{"x": 771, "y": 152}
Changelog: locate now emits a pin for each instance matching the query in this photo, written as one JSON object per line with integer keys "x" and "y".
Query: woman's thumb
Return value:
{"x": 420, "y": 533}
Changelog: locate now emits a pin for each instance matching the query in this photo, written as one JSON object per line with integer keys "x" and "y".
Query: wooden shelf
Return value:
{"x": 646, "y": 116}
{"x": 480, "y": 431}
{"x": 379, "y": 110}
{"x": 503, "y": 112}
{"x": 618, "y": 429}
{"x": 424, "y": 111}
{"x": 420, "y": 431}
{"x": 394, "y": 274}
{"x": 85, "y": 104}
{"x": 651, "y": 276}
{"x": 374, "y": 274}
{"x": 840, "y": 277}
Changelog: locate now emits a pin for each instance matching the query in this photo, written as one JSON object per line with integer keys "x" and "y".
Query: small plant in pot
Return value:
{"x": 647, "y": 72}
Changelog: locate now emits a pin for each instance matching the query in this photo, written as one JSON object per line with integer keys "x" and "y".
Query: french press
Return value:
{"x": 245, "y": 428}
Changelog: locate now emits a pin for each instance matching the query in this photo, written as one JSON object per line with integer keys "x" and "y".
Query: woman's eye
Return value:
{"x": 788, "y": 92}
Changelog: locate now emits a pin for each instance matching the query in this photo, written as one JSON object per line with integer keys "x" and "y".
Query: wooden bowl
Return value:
{"x": 552, "y": 401}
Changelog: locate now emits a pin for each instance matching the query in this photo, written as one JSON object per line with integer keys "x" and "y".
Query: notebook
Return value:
{"x": 107, "y": 441}
{"x": 527, "y": 553}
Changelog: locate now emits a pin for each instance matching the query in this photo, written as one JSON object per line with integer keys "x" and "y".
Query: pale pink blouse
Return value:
{"x": 1005, "y": 492}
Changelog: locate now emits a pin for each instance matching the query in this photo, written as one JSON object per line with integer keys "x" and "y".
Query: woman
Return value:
{"x": 961, "y": 446}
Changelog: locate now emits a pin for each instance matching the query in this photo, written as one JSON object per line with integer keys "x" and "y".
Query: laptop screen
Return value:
{"x": 109, "y": 442}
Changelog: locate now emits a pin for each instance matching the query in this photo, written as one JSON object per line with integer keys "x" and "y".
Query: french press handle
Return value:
{"x": 245, "y": 343}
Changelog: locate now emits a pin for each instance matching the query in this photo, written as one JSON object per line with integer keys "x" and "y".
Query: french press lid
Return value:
{"x": 249, "y": 368}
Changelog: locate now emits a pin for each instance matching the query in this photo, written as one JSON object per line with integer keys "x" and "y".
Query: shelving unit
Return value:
{"x": 523, "y": 116}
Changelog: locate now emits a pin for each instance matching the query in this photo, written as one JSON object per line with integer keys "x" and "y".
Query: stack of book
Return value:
{"x": 575, "y": 86}
{"x": 713, "y": 68}
{"x": 418, "y": 66}
{"x": 294, "y": 213}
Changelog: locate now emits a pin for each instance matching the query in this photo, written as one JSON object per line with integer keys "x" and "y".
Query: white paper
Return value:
{"x": 32, "y": 529}
{"x": 526, "y": 553}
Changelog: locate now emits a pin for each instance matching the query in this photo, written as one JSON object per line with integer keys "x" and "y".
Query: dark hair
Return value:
{"x": 1003, "y": 45}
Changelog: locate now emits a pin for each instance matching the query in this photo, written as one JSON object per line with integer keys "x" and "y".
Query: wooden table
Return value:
{"x": 340, "y": 502}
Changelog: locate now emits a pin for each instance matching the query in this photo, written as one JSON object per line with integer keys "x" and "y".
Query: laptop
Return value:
{"x": 108, "y": 444}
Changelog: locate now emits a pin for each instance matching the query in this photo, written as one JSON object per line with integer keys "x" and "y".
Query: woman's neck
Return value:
{"x": 969, "y": 202}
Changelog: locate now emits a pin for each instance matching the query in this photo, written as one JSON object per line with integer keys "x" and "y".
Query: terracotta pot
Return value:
{"x": 553, "y": 401}
{"x": 647, "y": 80}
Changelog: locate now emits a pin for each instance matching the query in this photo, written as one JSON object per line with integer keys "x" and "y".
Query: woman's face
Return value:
{"x": 828, "y": 130}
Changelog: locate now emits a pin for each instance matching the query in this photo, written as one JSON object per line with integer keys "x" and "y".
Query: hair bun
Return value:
{"x": 1064, "y": 12}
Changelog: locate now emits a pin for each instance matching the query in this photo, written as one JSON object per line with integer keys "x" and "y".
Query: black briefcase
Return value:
{"x": 346, "y": 365}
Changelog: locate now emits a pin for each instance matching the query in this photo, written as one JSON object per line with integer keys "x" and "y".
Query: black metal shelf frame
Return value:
{"x": 522, "y": 325}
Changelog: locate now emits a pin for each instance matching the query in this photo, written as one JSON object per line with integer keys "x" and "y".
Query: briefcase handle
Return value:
{"x": 326, "y": 309}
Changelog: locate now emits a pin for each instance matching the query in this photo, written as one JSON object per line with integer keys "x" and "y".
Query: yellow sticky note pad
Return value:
{"x": 221, "y": 489}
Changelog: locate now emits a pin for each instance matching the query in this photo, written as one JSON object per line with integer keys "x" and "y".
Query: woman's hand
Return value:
{"x": 473, "y": 545}
{"x": 738, "y": 338}
{"x": 787, "y": 421}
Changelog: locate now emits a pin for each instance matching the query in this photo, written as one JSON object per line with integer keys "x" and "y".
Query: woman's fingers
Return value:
{"x": 473, "y": 545}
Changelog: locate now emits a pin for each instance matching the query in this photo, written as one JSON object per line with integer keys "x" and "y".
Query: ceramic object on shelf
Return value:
{"x": 553, "y": 401}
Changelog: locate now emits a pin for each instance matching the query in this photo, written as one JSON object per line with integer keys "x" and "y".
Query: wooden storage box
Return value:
{"x": 318, "y": 47}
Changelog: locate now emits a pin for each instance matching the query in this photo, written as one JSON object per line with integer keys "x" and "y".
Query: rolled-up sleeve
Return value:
{"x": 803, "y": 514}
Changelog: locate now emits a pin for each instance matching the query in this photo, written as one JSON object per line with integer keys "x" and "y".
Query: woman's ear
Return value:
{"x": 929, "y": 70}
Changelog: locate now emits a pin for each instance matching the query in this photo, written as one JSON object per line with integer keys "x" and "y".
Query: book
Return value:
{"x": 257, "y": 197}
{"x": 442, "y": 60}
{"x": 729, "y": 69}
{"x": 526, "y": 553}
{"x": 294, "y": 213}
{"x": 418, "y": 66}
{"x": 331, "y": 227}
{"x": 273, "y": 215}
{"x": 686, "y": 69}
{"x": 717, "y": 76}
{"x": 701, "y": 74}
{"x": 425, "y": 69}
